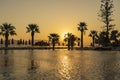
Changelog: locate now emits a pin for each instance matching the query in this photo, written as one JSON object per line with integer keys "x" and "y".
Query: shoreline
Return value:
{"x": 59, "y": 47}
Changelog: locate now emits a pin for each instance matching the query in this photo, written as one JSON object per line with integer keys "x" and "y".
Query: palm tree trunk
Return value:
{"x": 68, "y": 44}
{"x": 93, "y": 40}
{"x": 72, "y": 44}
{"x": 6, "y": 40}
{"x": 53, "y": 44}
{"x": 32, "y": 35}
{"x": 81, "y": 39}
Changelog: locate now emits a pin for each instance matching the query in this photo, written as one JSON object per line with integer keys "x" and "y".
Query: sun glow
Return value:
{"x": 63, "y": 35}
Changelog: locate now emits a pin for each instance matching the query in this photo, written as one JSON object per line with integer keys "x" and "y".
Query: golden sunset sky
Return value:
{"x": 54, "y": 16}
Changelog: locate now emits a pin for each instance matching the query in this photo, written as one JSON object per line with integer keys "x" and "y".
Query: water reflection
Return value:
{"x": 33, "y": 72}
{"x": 109, "y": 68}
{"x": 7, "y": 66}
{"x": 64, "y": 67}
{"x": 59, "y": 65}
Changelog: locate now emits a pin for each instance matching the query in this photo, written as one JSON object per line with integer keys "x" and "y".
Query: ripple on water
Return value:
{"x": 59, "y": 65}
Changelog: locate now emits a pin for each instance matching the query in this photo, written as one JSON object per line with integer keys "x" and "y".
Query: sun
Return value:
{"x": 63, "y": 35}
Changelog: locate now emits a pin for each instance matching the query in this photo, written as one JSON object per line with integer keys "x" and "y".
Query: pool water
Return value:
{"x": 59, "y": 65}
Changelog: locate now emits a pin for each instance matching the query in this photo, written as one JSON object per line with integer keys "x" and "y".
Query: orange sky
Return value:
{"x": 57, "y": 16}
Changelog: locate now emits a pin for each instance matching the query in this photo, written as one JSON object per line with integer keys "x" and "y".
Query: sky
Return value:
{"x": 54, "y": 16}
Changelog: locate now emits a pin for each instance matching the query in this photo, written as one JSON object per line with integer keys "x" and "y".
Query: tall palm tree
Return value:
{"x": 82, "y": 27}
{"x": 33, "y": 28}
{"x": 93, "y": 34}
{"x": 6, "y": 30}
{"x": 54, "y": 38}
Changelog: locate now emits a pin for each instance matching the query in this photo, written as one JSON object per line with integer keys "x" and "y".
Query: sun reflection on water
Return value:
{"x": 64, "y": 67}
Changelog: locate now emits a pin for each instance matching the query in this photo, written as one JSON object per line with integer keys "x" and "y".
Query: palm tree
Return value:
{"x": 72, "y": 40}
{"x": 102, "y": 39}
{"x": 6, "y": 30}
{"x": 54, "y": 38}
{"x": 67, "y": 38}
{"x": 33, "y": 28}
{"x": 114, "y": 35}
{"x": 93, "y": 34}
{"x": 82, "y": 27}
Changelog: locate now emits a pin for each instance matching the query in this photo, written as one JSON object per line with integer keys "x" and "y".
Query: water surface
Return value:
{"x": 59, "y": 65}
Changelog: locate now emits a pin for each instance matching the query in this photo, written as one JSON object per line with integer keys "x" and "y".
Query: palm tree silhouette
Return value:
{"x": 93, "y": 34}
{"x": 102, "y": 38}
{"x": 6, "y": 30}
{"x": 67, "y": 38}
{"x": 54, "y": 38}
{"x": 72, "y": 40}
{"x": 115, "y": 34}
{"x": 82, "y": 27}
{"x": 33, "y": 28}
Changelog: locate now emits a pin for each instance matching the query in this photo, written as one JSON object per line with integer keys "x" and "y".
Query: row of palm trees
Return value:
{"x": 7, "y": 29}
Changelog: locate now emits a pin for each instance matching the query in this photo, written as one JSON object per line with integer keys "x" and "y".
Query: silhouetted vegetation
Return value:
{"x": 42, "y": 43}
{"x": 106, "y": 12}
{"x": 93, "y": 35}
{"x": 33, "y": 28}
{"x": 107, "y": 37}
{"x": 1, "y": 41}
{"x": 6, "y": 30}
{"x": 53, "y": 38}
{"x": 82, "y": 27}
{"x": 12, "y": 41}
{"x": 70, "y": 38}
{"x": 114, "y": 37}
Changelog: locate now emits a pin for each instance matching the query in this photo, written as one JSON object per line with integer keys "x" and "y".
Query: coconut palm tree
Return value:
{"x": 33, "y": 28}
{"x": 54, "y": 38}
{"x": 82, "y": 28}
{"x": 6, "y": 30}
{"x": 93, "y": 34}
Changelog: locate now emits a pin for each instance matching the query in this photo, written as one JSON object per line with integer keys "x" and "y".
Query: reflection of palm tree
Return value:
{"x": 54, "y": 38}
{"x": 8, "y": 66}
{"x": 32, "y": 67}
{"x": 33, "y": 28}
{"x": 6, "y": 30}
{"x": 82, "y": 27}
{"x": 93, "y": 34}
